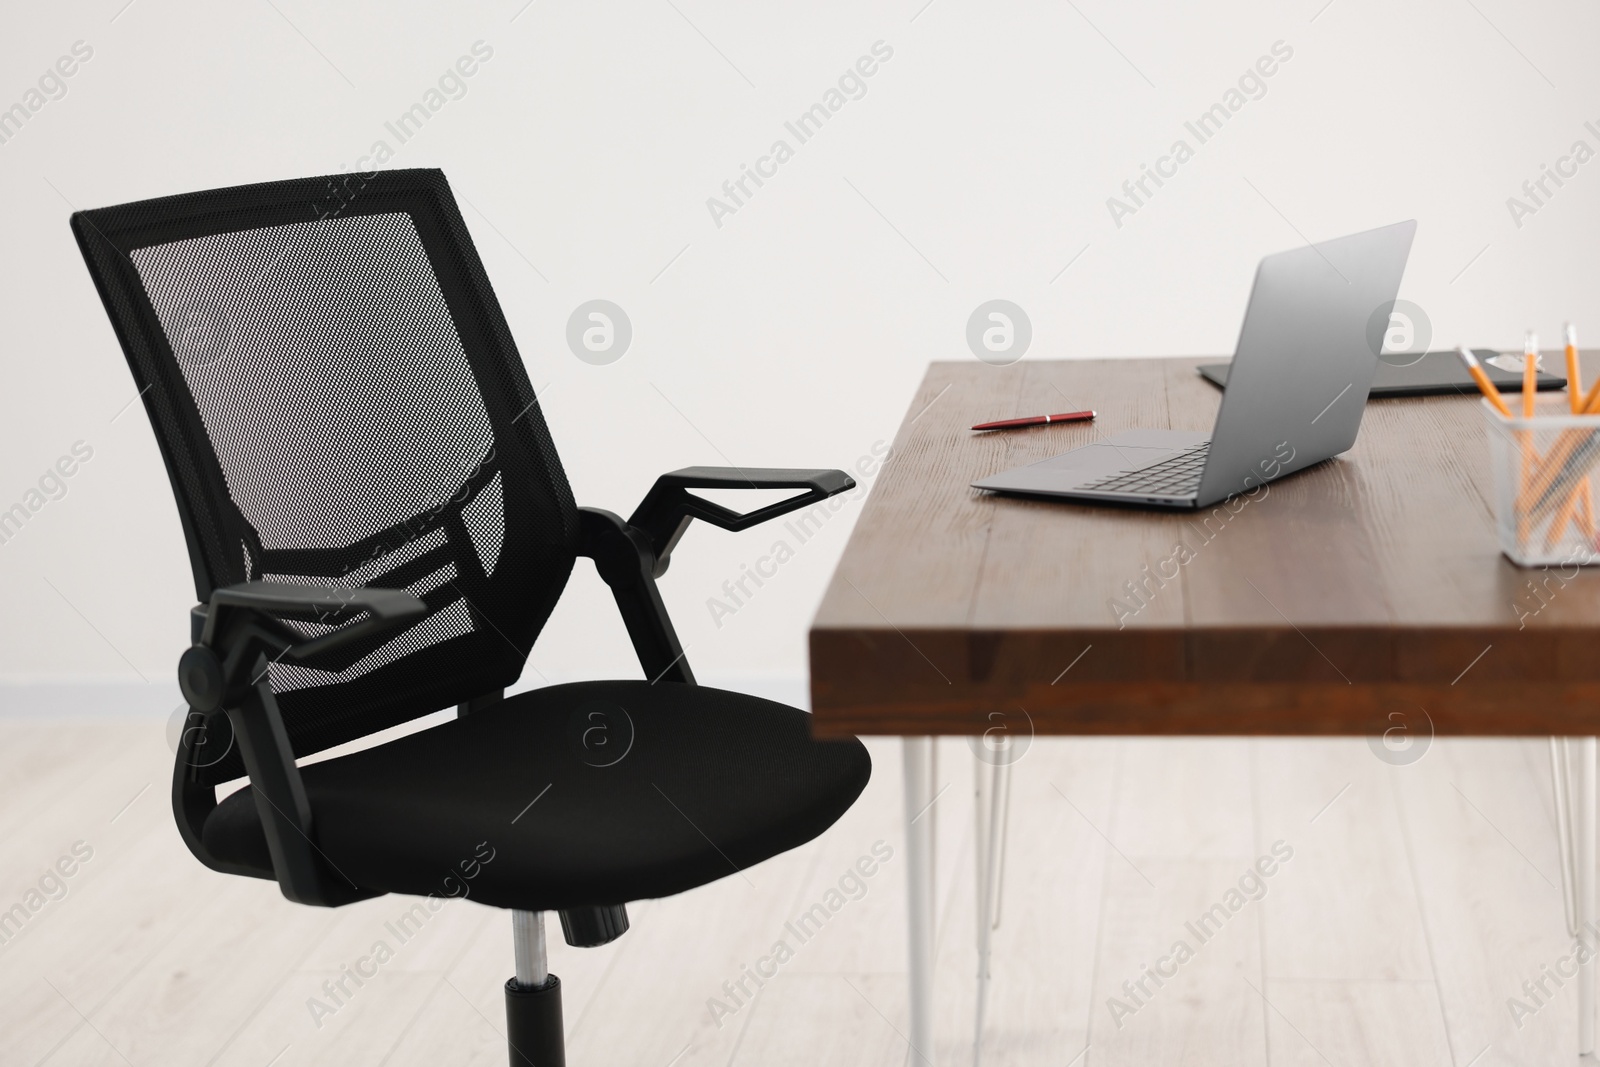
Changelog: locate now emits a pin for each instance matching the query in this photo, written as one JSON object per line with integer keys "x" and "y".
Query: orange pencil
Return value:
{"x": 1590, "y": 405}
{"x": 1485, "y": 386}
{"x": 1530, "y": 389}
{"x": 1561, "y": 451}
{"x": 1574, "y": 373}
{"x": 1530, "y": 372}
{"x": 1574, "y": 384}
{"x": 1558, "y": 525}
{"x": 1591, "y": 400}
{"x": 1577, "y": 403}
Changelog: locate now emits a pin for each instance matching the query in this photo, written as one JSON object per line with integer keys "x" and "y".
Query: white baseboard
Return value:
{"x": 77, "y": 697}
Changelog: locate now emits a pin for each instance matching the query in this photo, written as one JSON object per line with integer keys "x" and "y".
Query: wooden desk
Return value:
{"x": 1371, "y": 581}
{"x": 1365, "y": 595}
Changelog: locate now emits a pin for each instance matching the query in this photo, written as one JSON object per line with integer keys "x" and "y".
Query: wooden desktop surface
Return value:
{"x": 1364, "y": 594}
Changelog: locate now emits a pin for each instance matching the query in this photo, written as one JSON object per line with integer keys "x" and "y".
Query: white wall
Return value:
{"x": 794, "y": 333}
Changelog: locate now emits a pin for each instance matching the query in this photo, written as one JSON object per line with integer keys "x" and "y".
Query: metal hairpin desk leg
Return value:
{"x": 991, "y": 816}
{"x": 919, "y": 792}
{"x": 1584, "y": 883}
{"x": 1575, "y": 830}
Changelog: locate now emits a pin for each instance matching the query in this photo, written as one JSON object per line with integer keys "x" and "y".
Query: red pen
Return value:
{"x": 1036, "y": 420}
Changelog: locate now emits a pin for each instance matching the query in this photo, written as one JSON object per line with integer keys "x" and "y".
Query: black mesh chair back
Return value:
{"x": 339, "y": 402}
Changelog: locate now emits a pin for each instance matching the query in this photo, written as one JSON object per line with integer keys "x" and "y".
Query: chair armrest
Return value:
{"x": 226, "y": 668}
{"x": 622, "y": 556}
{"x": 631, "y": 555}
{"x": 268, "y": 602}
{"x": 666, "y": 510}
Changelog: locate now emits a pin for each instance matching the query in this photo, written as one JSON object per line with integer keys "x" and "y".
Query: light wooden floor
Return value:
{"x": 1418, "y": 900}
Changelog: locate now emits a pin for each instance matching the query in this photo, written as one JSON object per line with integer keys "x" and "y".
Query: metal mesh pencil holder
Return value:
{"x": 1544, "y": 492}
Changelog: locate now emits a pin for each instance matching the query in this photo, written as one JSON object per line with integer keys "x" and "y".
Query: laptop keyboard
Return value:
{"x": 1176, "y": 476}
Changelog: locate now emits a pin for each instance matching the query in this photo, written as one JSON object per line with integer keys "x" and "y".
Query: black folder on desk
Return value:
{"x": 1434, "y": 374}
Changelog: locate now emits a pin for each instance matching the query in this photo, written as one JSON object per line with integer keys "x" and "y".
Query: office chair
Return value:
{"x": 379, "y": 527}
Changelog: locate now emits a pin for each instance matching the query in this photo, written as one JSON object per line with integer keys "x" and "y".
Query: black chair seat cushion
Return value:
{"x": 636, "y": 791}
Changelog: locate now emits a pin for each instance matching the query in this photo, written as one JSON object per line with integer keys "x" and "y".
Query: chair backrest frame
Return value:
{"x": 510, "y": 599}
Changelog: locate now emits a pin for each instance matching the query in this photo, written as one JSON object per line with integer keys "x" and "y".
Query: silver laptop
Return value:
{"x": 1296, "y": 388}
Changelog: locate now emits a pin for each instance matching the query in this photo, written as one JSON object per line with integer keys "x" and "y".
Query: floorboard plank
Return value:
{"x": 1418, "y": 901}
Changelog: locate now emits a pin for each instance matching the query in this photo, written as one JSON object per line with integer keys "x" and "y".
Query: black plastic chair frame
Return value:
{"x": 238, "y": 725}
{"x": 238, "y": 632}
